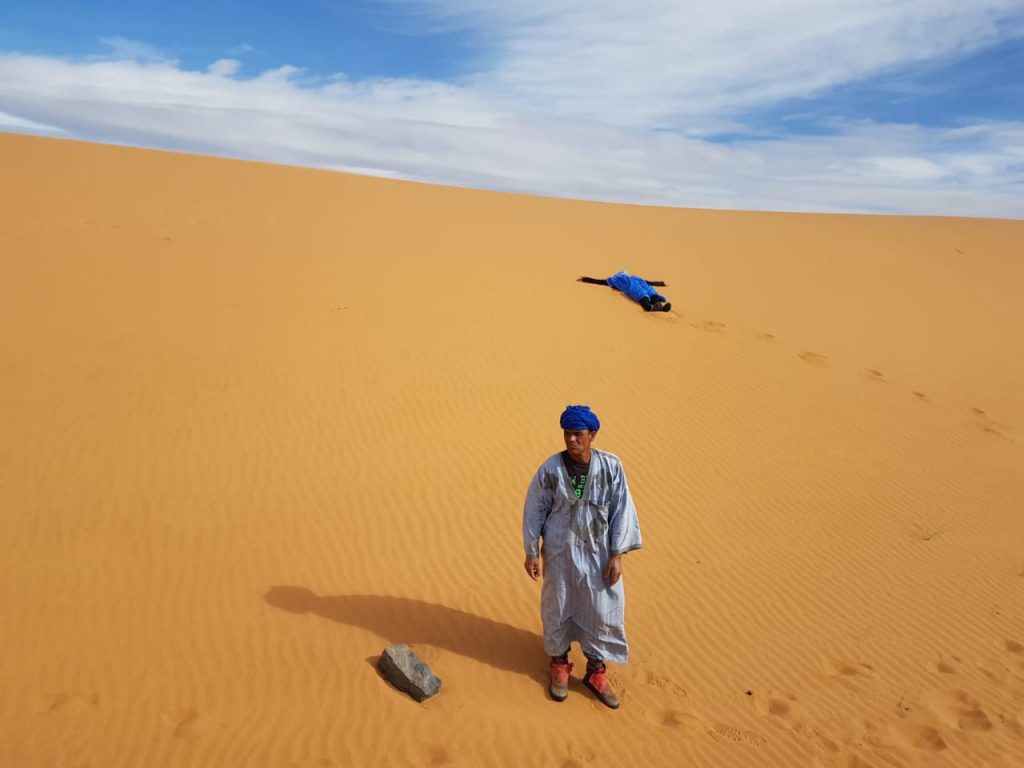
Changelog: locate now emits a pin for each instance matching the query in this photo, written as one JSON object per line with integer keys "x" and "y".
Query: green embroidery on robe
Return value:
{"x": 578, "y": 483}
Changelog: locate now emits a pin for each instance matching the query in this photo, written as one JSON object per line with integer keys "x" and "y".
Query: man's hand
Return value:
{"x": 532, "y": 566}
{"x": 613, "y": 571}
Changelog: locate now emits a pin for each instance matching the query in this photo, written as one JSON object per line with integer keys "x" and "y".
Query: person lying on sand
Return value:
{"x": 579, "y": 503}
{"x": 639, "y": 290}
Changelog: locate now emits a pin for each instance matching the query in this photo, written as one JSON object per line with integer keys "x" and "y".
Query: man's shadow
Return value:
{"x": 403, "y": 620}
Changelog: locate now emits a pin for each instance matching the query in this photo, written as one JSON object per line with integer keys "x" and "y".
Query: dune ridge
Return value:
{"x": 260, "y": 422}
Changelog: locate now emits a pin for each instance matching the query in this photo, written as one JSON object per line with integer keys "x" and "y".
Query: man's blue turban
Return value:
{"x": 579, "y": 417}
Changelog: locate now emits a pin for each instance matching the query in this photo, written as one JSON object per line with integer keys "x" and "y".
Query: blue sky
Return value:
{"x": 902, "y": 106}
{"x": 362, "y": 39}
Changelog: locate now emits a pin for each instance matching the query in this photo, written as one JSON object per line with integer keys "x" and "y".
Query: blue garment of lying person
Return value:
{"x": 635, "y": 287}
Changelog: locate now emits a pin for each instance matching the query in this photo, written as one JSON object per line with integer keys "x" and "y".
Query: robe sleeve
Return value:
{"x": 619, "y": 281}
{"x": 539, "y": 498}
{"x": 623, "y": 525}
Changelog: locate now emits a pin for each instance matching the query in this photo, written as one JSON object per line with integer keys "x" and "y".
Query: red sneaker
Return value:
{"x": 598, "y": 682}
{"x": 559, "y": 688}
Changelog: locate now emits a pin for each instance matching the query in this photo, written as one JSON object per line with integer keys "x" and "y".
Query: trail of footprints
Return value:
{"x": 180, "y": 722}
{"x": 917, "y": 727}
{"x": 980, "y": 419}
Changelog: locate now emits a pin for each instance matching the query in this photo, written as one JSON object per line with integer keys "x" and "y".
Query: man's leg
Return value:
{"x": 560, "y": 669}
{"x": 597, "y": 681}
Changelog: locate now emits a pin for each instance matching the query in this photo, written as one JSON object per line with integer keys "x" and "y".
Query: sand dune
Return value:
{"x": 259, "y": 422}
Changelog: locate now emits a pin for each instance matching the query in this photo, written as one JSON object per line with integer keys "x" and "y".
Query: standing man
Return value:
{"x": 579, "y": 504}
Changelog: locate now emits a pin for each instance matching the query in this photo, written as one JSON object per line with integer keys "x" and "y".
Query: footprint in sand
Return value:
{"x": 54, "y": 702}
{"x": 1012, "y": 724}
{"x": 579, "y": 757}
{"x": 812, "y": 734}
{"x": 984, "y": 421}
{"x": 775, "y": 704}
{"x": 736, "y": 735}
{"x": 850, "y": 669}
{"x": 766, "y": 336}
{"x": 1018, "y": 651}
{"x": 779, "y": 707}
{"x": 920, "y": 396}
{"x": 920, "y": 735}
{"x": 875, "y": 375}
{"x": 813, "y": 358}
{"x": 853, "y": 761}
{"x": 668, "y": 715}
{"x": 1003, "y": 676}
{"x": 709, "y": 325}
{"x": 943, "y": 667}
{"x": 849, "y": 674}
{"x": 662, "y": 683}
{"x": 676, "y": 719}
{"x": 181, "y": 720}
{"x": 926, "y": 532}
{"x": 959, "y": 709}
{"x": 437, "y": 754}
{"x": 928, "y": 738}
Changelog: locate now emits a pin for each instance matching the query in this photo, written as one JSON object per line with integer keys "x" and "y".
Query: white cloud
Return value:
{"x": 576, "y": 102}
{"x": 224, "y": 67}
{"x": 125, "y": 49}
{"x": 675, "y": 62}
{"x": 15, "y": 123}
{"x": 907, "y": 168}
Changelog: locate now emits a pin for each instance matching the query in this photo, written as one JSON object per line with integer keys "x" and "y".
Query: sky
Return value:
{"x": 864, "y": 106}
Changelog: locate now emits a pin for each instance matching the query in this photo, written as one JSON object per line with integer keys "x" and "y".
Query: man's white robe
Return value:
{"x": 579, "y": 536}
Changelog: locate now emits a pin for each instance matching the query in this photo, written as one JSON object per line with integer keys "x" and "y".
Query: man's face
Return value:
{"x": 577, "y": 443}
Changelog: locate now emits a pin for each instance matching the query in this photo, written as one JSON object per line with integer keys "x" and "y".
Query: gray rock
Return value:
{"x": 404, "y": 670}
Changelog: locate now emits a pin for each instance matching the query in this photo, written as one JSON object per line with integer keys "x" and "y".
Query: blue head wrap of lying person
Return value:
{"x": 576, "y": 417}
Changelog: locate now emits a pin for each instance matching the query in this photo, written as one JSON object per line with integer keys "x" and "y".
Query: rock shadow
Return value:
{"x": 404, "y": 620}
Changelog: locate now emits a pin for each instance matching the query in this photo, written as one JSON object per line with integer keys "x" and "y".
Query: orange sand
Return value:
{"x": 259, "y": 422}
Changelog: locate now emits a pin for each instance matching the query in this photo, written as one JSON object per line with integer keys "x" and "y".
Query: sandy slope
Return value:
{"x": 259, "y": 422}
